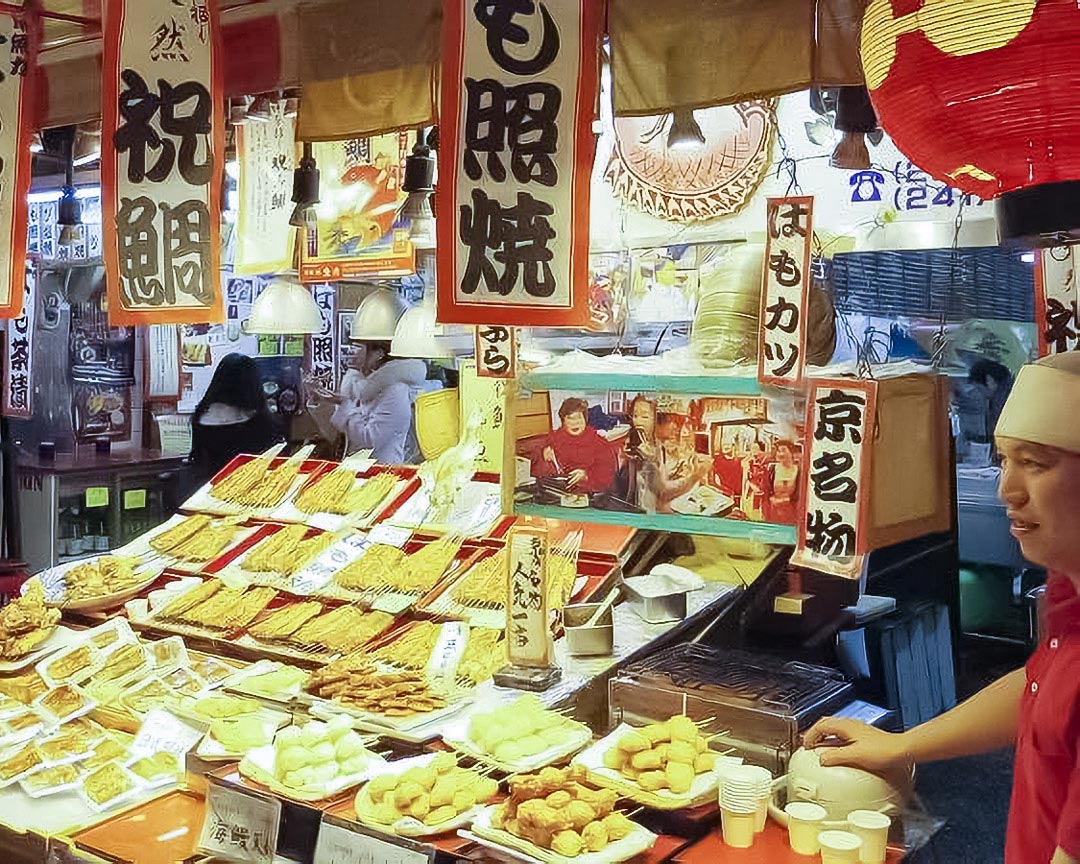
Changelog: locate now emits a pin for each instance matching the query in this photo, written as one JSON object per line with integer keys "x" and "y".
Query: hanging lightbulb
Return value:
{"x": 305, "y": 191}
{"x": 685, "y": 133}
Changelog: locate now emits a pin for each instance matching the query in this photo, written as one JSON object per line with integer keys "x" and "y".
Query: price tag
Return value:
{"x": 388, "y": 535}
{"x": 97, "y": 496}
{"x": 240, "y": 825}
{"x": 322, "y": 569}
{"x": 162, "y": 732}
{"x": 348, "y": 843}
{"x": 449, "y": 648}
{"x": 134, "y": 499}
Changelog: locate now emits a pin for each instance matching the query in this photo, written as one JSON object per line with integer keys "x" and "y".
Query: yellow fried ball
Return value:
{"x": 594, "y": 836}
{"x": 567, "y": 843}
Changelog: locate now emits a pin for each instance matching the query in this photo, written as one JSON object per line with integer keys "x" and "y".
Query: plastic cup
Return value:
{"x": 738, "y": 828}
{"x": 804, "y": 824}
{"x": 872, "y": 828}
{"x": 839, "y": 847}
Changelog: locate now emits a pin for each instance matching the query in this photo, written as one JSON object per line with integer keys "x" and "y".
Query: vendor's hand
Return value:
{"x": 840, "y": 741}
{"x": 549, "y": 455}
{"x": 576, "y": 476}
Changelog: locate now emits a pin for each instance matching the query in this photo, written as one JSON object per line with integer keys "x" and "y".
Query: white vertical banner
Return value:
{"x": 266, "y": 152}
{"x": 840, "y": 418}
{"x": 785, "y": 291}
{"x": 162, "y": 161}
{"x": 519, "y": 84}
{"x": 1056, "y": 318}
{"x": 322, "y": 347}
{"x": 19, "y": 356}
{"x": 18, "y": 52}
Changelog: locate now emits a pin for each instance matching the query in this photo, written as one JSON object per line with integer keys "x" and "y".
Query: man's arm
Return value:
{"x": 986, "y": 721}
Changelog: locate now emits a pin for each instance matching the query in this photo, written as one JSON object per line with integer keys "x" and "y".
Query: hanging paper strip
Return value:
{"x": 266, "y": 152}
{"x": 785, "y": 291}
{"x": 840, "y": 430}
{"x": 18, "y": 358}
{"x": 1056, "y": 316}
{"x": 18, "y": 51}
{"x": 515, "y": 158}
{"x": 163, "y": 145}
{"x": 496, "y": 351}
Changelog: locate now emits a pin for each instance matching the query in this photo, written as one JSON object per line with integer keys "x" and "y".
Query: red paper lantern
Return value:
{"x": 983, "y": 95}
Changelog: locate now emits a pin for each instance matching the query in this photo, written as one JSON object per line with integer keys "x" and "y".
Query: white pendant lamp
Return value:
{"x": 285, "y": 307}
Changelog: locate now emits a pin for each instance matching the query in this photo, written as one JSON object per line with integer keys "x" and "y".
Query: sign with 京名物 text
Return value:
{"x": 18, "y": 51}
{"x": 528, "y": 639}
{"x": 18, "y": 356}
{"x": 785, "y": 291}
{"x": 496, "y": 351}
{"x": 1056, "y": 318}
{"x": 515, "y": 159}
{"x": 840, "y": 429}
{"x": 162, "y": 160}
{"x": 266, "y": 153}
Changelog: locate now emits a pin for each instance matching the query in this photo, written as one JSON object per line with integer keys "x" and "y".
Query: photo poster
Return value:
{"x": 733, "y": 457}
{"x": 360, "y": 229}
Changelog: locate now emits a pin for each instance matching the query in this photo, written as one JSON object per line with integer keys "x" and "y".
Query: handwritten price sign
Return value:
{"x": 346, "y": 843}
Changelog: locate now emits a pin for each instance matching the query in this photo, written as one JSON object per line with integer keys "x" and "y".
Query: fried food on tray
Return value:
{"x": 151, "y": 694}
{"x": 105, "y": 638}
{"x": 286, "y": 552}
{"x": 435, "y": 795}
{"x": 335, "y": 493}
{"x": 26, "y": 622}
{"x": 256, "y": 484}
{"x": 125, "y": 659}
{"x": 341, "y": 630}
{"x": 158, "y": 765}
{"x": 104, "y": 752}
{"x": 283, "y": 623}
{"x": 23, "y": 688}
{"x": 64, "y": 745}
{"x": 388, "y": 567}
{"x": 180, "y": 533}
{"x": 26, "y": 720}
{"x": 106, "y": 783}
{"x": 61, "y": 775}
{"x": 229, "y": 608}
{"x": 63, "y": 701}
{"x": 562, "y": 573}
{"x": 206, "y": 545}
{"x": 665, "y": 755}
{"x": 233, "y": 487}
{"x": 100, "y": 577}
{"x": 413, "y": 648}
{"x": 190, "y": 599}
{"x": 71, "y": 664}
{"x": 357, "y": 684}
{"x": 22, "y": 760}
{"x": 373, "y": 569}
{"x": 484, "y": 584}
{"x": 484, "y": 655}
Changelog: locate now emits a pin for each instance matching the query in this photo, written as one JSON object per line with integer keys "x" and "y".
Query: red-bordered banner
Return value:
{"x": 1056, "y": 320}
{"x": 785, "y": 284}
{"x": 18, "y": 55}
{"x": 162, "y": 158}
{"x": 840, "y": 417}
{"x": 515, "y": 162}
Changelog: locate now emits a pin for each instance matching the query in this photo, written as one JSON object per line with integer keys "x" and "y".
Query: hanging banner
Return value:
{"x": 18, "y": 52}
{"x": 515, "y": 161}
{"x": 496, "y": 351}
{"x": 321, "y": 347}
{"x": 18, "y": 356}
{"x": 840, "y": 429}
{"x": 358, "y": 232}
{"x": 785, "y": 291}
{"x": 266, "y": 152}
{"x": 1056, "y": 318}
{"x": 162, "y": 157}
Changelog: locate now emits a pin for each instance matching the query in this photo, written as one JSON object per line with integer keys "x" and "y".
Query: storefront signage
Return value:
{"x": 342, "y": 842}
{"x": 785, "y": 291}
{"x": 518, "y": 103}
{"x": 1056, "y": 316}
{"x": 240, "y": 825}
{"x": 840, "y": 430}
{"x": 18, "y": 49}
{"x": 528, "y": 638}
{"x": 266, "y": 153}
{"x": 162, "y": 159}
{"x": 322, "y": 346}
{"x": 19, "y": 355}
{"x": 496, "y": 351}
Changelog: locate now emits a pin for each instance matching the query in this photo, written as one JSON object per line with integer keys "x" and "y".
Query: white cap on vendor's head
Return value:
{"x": 1044, "y": 404}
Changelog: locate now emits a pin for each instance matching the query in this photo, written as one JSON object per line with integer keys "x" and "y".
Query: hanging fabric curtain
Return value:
{"x": 699, "y": 53}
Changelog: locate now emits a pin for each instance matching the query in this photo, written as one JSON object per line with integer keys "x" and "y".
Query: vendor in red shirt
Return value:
{"x": 1037, "y": 708}
{"x": 577, "y": 451}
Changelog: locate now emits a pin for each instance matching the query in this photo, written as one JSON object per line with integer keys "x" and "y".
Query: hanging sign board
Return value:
{"x": 496, "y": 351}
{"x": 266, "y": 153}
{"x": 515, "y": 159}
{"x": 785, "y": 291}
{"x": 1056, "y": 318}
{"x": 528, "y": 639}
{"x": 163, "y": 145}
{"x": 840, "y": 428}
{"x": 18, "y": 51}
{"x": 19, "y": 354}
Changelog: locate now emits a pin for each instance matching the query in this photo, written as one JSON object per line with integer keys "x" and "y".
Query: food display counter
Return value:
{"x": 279, "y": 668}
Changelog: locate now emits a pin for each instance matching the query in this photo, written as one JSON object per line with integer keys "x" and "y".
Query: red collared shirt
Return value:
{"x": 1045, "y": 809}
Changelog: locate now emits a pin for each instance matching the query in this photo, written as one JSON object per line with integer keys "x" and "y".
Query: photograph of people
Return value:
{"x": 727, "y": 467}
{"x": 782, "y": 490}
{"x": 756, "y": 472}
{"x": 639, "y": 450}
{"x": 577, "y": 452}
{"x": 679, "y": 468}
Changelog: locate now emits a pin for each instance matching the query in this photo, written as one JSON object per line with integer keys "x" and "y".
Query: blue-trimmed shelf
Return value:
{"x": 765, "y": 532}
{"x": 696, "y": 385}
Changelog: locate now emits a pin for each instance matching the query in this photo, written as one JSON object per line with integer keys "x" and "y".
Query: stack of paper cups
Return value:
{"x": 764, "y": 791}
{"x": 873, "y": 829}
{"x": 739, "y": 805}
{"x": 839, "y": 847}
{"x": 804, "y": 824}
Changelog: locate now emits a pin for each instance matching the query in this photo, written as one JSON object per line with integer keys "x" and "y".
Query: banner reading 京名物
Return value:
{"x": 18, "y": 50}
{"x": 839, "y": 429}
{"x": 266, "y": 153}
{"x": 18, "y": 358}
{"x": 785, "y": 291}
{"x": 1056, "y": 318}
{"x": 515, "y": 158}
{"x": 162, "y": 157}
